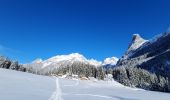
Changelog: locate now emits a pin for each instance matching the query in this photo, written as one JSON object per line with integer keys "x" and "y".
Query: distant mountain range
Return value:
{"x": 64, "y": 60}
{"x": 74, "y": 63}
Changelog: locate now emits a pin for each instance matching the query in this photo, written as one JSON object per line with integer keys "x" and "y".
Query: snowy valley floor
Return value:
{"x": 16, "y": 85}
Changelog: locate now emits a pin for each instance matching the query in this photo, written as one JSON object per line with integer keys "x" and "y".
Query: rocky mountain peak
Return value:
{"x": 137, "y": 41}
{"x": 136, "y": 37}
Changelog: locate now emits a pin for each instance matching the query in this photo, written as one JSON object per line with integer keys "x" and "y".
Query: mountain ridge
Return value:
{"x": 147, "y": 67}
{"x": 73, "y": 63}
{"x": 76, "y": 57}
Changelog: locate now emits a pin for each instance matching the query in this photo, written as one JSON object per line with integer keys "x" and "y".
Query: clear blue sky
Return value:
{"x": 98, "y": 29}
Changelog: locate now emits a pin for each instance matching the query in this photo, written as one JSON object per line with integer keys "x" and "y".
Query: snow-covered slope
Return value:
{"x": 39, "y": 60}
{"x": 155, "y": 38}
{"x": 15, "y": 85}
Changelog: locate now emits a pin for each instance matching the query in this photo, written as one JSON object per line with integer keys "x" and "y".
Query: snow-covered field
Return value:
{"x": 25, "y": 86}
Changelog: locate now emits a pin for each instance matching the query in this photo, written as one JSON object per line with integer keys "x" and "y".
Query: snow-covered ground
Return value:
{"x": 16, "y": 85}
{"x": 25, "y": 86}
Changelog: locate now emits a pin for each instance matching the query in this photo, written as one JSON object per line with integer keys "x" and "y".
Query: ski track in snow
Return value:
{"x": 91, "y": 95}
{"x": 57, "y": 94}
{"x": 38, "y": 87}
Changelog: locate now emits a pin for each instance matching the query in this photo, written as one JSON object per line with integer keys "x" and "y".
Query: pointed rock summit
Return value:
{"x": 137, "y": 41}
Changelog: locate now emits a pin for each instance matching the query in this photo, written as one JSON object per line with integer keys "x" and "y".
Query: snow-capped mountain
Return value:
{"x": 64, "y": 60}
{"x": 110, "y": 61}
{"x": 74, "y": 63}
{"x": 39, "y": 60}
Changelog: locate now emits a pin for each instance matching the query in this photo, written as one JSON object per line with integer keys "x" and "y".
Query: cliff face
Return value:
{"x": 137, "y": 41}
{"x": 146, "y": 64}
